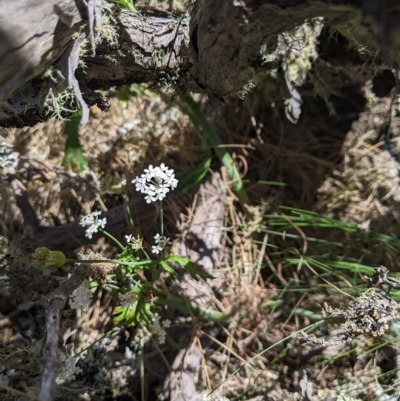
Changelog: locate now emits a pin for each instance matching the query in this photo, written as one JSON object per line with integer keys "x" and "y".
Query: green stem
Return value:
{"x": 145, "y": 254}
{"x": 161, "y": 219}
{"x": 129, "y": 214}
{"x": 107, "y": 234}
{"x": 162, "y": 226}
{"x": 115, "y": 262}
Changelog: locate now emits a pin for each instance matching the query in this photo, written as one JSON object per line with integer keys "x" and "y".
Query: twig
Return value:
{"x": 56, "y": 303}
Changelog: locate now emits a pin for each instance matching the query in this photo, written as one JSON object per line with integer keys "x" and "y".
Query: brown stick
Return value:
{"x": 56, "y": 303}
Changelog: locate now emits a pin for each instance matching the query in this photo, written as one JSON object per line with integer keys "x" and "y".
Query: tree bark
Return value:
{"x": 214, "y": 50}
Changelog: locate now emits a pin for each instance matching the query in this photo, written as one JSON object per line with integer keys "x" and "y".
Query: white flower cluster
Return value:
{"x": 81, "y": 297}
{"x": 127, "y": 300}
{"x": 68, "y": 368}
{"x": 92, "y": 223}
{"x": 156, "y": 182}
{"x": 161, "y": 243}
{"x": 8, "y": 158}
{"x": 157, "y": 330}
{"x": 135, "y": 243}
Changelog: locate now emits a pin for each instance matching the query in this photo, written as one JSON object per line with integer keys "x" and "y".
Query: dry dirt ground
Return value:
{"x": 340, "y": 160}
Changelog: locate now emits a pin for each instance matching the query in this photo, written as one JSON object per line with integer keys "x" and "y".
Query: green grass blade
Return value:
{"x": 73, "y": 153}
{"x": 200, "y": 121}
{"x": 192, "y": 177}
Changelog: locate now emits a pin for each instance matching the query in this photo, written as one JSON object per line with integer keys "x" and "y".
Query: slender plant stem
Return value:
{"x": 146, "y": 254}
{"x": 161, "y": 218}
{"x": 129, "y": 213}
{"x": 162, "y": 226}
{"x": 107, "y": 234}
{"x": 115, "y": 262}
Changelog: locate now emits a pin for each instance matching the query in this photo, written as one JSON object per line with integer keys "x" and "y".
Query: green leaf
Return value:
{"x": 124, "y": 314}
{"x": 205, "y": 129}
{"x": 167, "y": 267}
{"x": 73, "y": 153}
{"x": 192, "y": 177}
{"x": 133, "y": 91}
{"x": 128, "y": 93}
{"x": 127, "y": 4}
{"x": 272, "y": 183}
{"x": 137, "y": 312}
{"x": 193, "y": 269}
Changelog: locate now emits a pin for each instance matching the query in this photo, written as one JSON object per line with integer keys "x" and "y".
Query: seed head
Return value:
{"x": 44, "y": 257}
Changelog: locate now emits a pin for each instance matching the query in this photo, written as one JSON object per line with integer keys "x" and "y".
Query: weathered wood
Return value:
{"x": 215, "y": 51}
{"x": 34, "y": 33}
{"x": 56, "y": 302}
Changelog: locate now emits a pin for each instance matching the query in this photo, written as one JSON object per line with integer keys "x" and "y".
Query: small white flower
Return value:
{"x": 167, "y": 323}
{"x": 140, "y": 184}
{"x": 156, "y": 182}
{"x": 92, "y": 223}
{"x": 161, "y": 336}
{"x": 149, "y": 198}
{"x": 81, "y": 297}
{"x": 135, "y": 243}
{"x": 149, "y": 172}
{"x": 161, "y": 243}
{"x": 157, "y": 330}
{"x": 162, "y": 240}
{"x": 156, "y": 249}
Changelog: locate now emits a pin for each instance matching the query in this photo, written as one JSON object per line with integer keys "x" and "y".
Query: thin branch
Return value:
{"x": 56, "y": 303}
